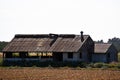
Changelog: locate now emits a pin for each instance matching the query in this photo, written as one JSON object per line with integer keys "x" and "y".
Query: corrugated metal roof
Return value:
{"x": 101, "y": 47}
{"x": 67, "y": 44}
{"x": 42, "y": 43}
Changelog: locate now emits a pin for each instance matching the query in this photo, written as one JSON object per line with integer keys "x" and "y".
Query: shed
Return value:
{"x": 104, "y": 52}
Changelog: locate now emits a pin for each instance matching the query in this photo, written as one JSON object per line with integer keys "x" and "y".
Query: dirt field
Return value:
{"x": 57, "y": 74}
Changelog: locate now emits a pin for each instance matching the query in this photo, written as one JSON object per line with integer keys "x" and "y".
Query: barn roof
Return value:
{"x": 101, "y": 47}
{"x": 68, "y": 44}
{"x": 45, "y": 43}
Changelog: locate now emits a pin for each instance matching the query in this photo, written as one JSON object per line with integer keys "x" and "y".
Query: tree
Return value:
{"x": 116, "y": 42}
{"x": 99, "y": 41}
{"x": 2, "y": 45}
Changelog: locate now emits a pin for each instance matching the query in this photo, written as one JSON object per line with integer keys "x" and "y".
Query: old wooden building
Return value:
{"x": 55, "y": 47}
{"x": 104, "y": 52}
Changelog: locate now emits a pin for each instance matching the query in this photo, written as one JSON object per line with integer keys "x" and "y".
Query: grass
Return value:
{"x": 119, "y": 57}
{"x": 57, "y": 74}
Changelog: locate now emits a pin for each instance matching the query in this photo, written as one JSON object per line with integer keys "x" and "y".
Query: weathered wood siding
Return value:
{"x": 109, "y": 56}
{"x": 65, "y": 57}
{"x": 76, "y": 57}
{"x": 87, "y": 50}
{"x": 113, "y": 54}
{"x": 99, "y": 57}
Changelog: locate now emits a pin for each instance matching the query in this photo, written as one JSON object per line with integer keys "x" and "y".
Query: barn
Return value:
{"x": 58, "y": 47}
{"x": 53, "y": 47}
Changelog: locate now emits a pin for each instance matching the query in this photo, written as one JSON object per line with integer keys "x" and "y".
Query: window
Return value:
{"x": 80, "y": 55}
{"x": 70, "y": 55}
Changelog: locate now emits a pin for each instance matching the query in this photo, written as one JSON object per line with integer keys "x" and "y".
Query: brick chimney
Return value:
{"x": 82, "y": 37}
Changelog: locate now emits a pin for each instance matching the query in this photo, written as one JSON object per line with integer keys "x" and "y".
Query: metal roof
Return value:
{"x": 45, "y": 43}
{"x": 101, "y": 47}
{"x": 68, "y": 44}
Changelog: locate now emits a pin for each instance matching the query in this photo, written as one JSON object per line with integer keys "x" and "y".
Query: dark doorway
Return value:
{"x": 8, "y": 55}
{"x": 57, "y": 56}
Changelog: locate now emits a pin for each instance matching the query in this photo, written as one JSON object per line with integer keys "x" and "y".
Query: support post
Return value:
{"x": 3, "y": 56}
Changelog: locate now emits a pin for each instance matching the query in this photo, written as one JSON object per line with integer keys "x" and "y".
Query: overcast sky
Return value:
{"x": 98, "y": 18}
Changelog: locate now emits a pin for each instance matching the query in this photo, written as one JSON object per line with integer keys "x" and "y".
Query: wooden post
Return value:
{"x": 37, "y": 54}
{"x": 27, "y": 55}
{"x": 3, "y": 56}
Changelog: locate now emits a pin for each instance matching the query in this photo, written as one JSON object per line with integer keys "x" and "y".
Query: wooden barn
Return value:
{"x": 54, "y": 47}
{"x": 58, "y": 47}
{"x": 104, "y": 52}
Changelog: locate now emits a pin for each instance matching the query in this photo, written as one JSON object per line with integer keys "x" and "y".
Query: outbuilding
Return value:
{"x": 104, "y": 52}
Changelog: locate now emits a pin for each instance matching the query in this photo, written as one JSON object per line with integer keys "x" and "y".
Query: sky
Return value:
{"x": 98, "y": 18}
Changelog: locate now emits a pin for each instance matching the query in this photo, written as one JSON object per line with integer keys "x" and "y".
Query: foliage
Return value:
{"x": 116, "y": 42}
{"x": 1, "y": 61}
{"x": 99, "y": 65}
{"x": 118, "y": 65}
{"x": 90, "y": 65}
{"x": 2, "y": 45}
{"x": 113, "y": 65}
{"x": 99, "y": 41}
{"x": 119, "y": 57}
{"x": 60, "y": 64}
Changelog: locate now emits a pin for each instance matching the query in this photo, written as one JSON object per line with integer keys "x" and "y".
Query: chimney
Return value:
{"x": 82, "y": 37}
{"x": 54, "y": 37}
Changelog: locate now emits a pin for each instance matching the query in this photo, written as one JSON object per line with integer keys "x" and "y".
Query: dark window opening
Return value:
{"x": 70, "y": 55}
{"x": 80, "y": 55}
